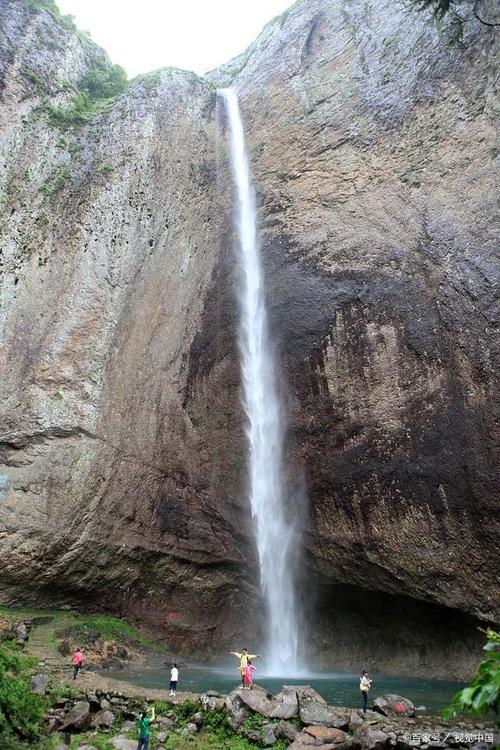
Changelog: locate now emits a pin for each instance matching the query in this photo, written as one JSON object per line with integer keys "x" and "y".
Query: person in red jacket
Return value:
{"x": 77, "y": 662}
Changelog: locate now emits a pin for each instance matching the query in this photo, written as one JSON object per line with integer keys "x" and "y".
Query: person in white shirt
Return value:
{"x": 174, "y": 678}
{"x": 365, "y": 684}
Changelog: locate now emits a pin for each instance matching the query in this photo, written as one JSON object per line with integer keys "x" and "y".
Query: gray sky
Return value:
{"x": 198, "y": 35}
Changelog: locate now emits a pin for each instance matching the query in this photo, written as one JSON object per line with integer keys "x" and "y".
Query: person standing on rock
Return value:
{"x": 244, "y": 657}
{"x": 249, "y": 670}
{"x": 365, "y": 684}
{"x": 77, "y": 662}
{"x": 174, "y": 677}
{"x": 144, "y": 728}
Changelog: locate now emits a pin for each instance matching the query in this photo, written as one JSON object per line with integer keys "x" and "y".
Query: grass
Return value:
{"x": 79, "y": 626}
{"x": 87, "y": 628}
{"x": 24, "y": 613}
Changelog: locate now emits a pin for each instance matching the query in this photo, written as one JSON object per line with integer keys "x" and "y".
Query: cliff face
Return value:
{"x": 122, "y": 481}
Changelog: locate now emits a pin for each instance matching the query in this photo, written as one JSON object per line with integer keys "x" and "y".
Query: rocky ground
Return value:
{"x": 98, "y": 713}
{"x": 296, "y": 718}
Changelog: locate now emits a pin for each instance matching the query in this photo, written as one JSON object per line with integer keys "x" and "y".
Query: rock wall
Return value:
{"x": 122, "y": 446}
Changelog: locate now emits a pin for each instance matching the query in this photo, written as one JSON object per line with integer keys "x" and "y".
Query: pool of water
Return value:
{"x": 338, "y": 688}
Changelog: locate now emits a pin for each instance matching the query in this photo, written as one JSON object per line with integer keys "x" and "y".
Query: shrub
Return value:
{"x": 483, "y": 693}
{"x": 21, "y": 711}
{"x": 104, "y": 83}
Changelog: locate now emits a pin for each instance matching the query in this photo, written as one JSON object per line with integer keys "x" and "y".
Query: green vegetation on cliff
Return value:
{"x": 50, "y": 6}
{"x": 96, "y": 90}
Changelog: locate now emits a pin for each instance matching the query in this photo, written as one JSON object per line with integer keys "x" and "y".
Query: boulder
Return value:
{"x": 197, "y": 718}
{"x": 52, "y": 724}
{"x": 268, "y": 735}
{"x": 258, "y": 700}
{"x": 104, "y": 704}
{"x": 371, "y": 717}
{"x": 165, "y": 722}
{"x": 237, "y": 710}
{"x": 313, "y": 712}
{"x": 78, "y": 717}
{"x": 394, "y": 705}
{"x": 39, "y": 684}
{"x": 253, "y": 735}
{"x": 128, "y": 726}
{"x": 84, "y": 747}
{"x": 355, "y": 719}
{"x": 304, "y": 692}
{"x": 302, "y": 741}
{"x": 21, "y": 632}
{"x": 286, "y": 730}
{"x": 94, "y": 701}
{"x": 161, "y": 736}
{"x": 190, "y": 728}
{"x": 213, "y": 702}
{"x": 123, "y": 743}
{"x": 371, "y": 738}
{"x": 287, "y": 701}
{"x": 327, "y": 734}
{"x": 104, "y": 718}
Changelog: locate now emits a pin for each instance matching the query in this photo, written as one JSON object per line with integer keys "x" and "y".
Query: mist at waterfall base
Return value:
{"x": 276, "y": 539}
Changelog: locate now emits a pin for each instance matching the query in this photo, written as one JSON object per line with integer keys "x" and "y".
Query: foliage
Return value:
{"x": 96, "y": 91}
{"x": 82, "y": 109}
{"x": 65, "y": 692}
{"x": 254, "y": 721}
{"x": 184, "y": 711}
{"x": 483, "y": 693}
{"x": 104, "y": 83}
{"x": 216, "y": 722}
{"x": 50, "y": 6}
{"x": 90, "y": 627}
{"x": 21, "y": 711}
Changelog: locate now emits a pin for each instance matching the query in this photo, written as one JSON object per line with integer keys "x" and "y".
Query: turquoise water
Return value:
{"x": 340, "y": 688}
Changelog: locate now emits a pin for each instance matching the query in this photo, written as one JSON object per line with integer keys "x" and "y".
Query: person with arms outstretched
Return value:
{"x": 244, "y": 657}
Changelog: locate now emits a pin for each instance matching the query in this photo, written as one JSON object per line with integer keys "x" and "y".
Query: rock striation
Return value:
{"x": 121, "y": 435}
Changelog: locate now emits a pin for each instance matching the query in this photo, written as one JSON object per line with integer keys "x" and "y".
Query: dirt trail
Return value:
{"x": 42, "y": 647}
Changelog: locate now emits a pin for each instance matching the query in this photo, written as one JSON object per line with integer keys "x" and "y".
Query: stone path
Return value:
{"x": 40, "y": 647}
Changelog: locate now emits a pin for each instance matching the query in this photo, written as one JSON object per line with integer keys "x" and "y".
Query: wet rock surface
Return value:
{"x": 122, "y": 436}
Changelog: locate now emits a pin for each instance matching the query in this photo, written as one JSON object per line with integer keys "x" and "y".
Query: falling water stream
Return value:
{"x": 274, "y": 533}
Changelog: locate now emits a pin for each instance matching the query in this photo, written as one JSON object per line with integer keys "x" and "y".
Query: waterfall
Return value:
{"x": 274, "y": 533}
